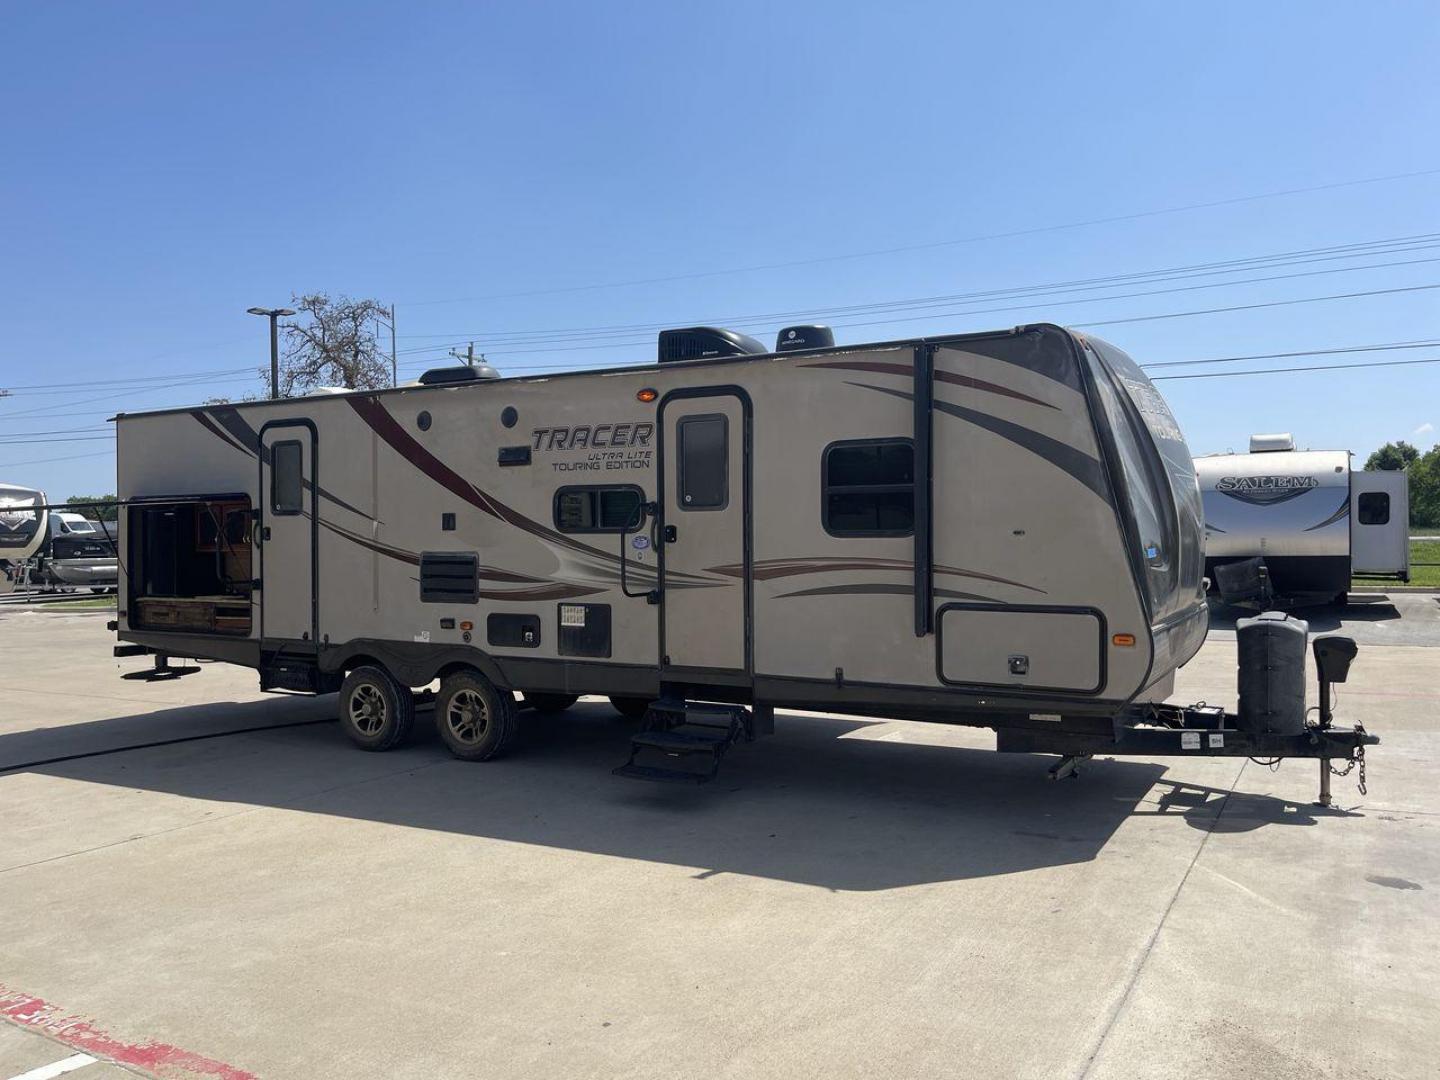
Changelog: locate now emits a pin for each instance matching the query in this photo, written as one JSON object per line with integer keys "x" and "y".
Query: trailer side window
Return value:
{"x": 868, "y": 488}
{"x": 598, "y": 509}
{"x": 1374, "y": 508}
{"x": 704, "y": 462}
{"x": 286, "y": 460}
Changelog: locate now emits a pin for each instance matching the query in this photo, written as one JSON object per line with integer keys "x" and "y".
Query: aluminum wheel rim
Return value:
{"x": 367, "y": 709}
{"x": 467, "y": 716}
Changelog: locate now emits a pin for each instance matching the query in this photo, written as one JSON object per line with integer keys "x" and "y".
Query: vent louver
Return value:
{"x": 449, "y": 577}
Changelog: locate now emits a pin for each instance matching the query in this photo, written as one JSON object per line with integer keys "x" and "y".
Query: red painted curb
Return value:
{"x": 162, "y": 1059}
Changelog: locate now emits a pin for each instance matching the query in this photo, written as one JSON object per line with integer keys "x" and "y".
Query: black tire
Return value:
{"x": 548, "y": 703}
{"x": 376, "y": 711}
{"x": 475, "y": 720}
{"x": 1342, "y": 599}
{"x": 632, "y": 707}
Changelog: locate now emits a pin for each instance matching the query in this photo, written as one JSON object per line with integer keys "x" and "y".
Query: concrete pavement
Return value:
{"x": 850, "y": 898}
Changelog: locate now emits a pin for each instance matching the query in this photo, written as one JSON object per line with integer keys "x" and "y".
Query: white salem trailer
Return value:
{"x": 1306, "y": 516}
{"x": 998, "y": 529}
{"x": 23, "y": 530}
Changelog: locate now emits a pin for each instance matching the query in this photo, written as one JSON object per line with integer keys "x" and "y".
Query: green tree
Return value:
{"x": 96, "y": 513}
{"x": 1392, "y": 457}
{"x": 1425, "y": 489}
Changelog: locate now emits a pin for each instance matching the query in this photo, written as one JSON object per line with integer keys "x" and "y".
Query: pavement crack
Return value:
{"x": 1118, "y": 1008}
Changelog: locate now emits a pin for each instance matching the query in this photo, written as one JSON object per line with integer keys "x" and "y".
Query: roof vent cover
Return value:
{"x": 813, "y": 336}
{"x": 1271, "y": 444}
{"x": 460, "y": 373}
{"x": 704, "y": 342}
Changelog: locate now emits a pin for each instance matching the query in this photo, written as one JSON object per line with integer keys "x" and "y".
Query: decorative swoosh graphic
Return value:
{"x": 1078, "y": 464}
{"x": 879, "y": 589}
{"x": 595, "y": 560}
{"x": 236, "y": 432}
{"x": 539, "y": 588}
{"x": 1342, "y": 511}
{"x": 952, "y": 377}
{"x": 766, "y": 569}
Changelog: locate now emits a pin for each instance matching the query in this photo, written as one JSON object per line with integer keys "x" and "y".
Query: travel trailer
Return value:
{"x": 998, "y": 529}
{"x": 1297, "y": 524}
{"x": 24, "y": 525}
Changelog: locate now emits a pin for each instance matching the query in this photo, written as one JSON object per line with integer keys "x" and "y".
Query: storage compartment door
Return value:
{"x": 1379, "y": 523}
{"x": 1022, "y": 647}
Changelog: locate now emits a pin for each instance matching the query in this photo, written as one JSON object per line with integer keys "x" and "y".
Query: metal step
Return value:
{"x": 161, "y": 674}
{"x": 663, "y": 776}
{"x": 682, "y": 742}
{"x": 685, "y": 729}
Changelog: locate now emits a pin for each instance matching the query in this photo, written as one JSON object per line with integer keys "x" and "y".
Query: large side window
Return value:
{"x": 868, "y": 488}
{"x": 598, "y": 509}
{"x": 1374, "y": 508}
{"x": 286, "y": 462}
{"x": 704, "y": 451}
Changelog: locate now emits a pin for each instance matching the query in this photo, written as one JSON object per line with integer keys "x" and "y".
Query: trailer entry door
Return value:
{"x": 289, "y": 609}
{"x": 705, "y": 549}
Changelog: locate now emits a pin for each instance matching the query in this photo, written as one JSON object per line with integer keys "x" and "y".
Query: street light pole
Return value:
{"x": 273, "y": 314}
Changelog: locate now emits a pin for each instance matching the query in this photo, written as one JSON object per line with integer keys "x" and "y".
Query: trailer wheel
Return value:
{"x": 632, "y": 707}
{"x": 475, "y": 720}
{"x": 548, "y": 703}
{"x": 376, "y": 712}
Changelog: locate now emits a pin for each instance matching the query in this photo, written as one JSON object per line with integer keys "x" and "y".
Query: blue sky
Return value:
{"x": 168, "y": 165}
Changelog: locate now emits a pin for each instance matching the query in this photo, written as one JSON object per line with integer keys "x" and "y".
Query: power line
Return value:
{"x": 18, "y": 441}
{"x": 934, "y": 244}
{"x": 1293, "y": 370}
{"x": 1395, "y": 245}
{"x": 1026, "y": 307}
{"x": 48, "y": 461}
{"x": 139, "y": 380}
{"x": 1253, "y": 307}
{"x": 1304, "y": 352}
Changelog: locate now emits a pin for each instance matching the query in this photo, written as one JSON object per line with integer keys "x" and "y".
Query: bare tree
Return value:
{"x": 332, "y": 343}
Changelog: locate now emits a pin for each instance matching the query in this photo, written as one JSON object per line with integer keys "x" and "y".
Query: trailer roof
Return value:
{"x": 747, "y": 358}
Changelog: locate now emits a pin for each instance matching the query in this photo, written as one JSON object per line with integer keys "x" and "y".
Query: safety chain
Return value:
{"x": 1358, "y": 759}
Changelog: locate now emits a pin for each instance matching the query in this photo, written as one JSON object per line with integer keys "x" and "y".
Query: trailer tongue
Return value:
{"x": 1271, "y": 721}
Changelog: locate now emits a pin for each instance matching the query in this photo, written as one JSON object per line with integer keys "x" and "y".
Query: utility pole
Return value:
{"x": 273, "y": 314}
{"x": 468, "y": 355}
{"x": 379, "y": 322}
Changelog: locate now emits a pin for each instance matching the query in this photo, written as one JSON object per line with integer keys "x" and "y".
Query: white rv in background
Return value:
{"x": 23, "y": 523}
{"x": 1311, "y": 520}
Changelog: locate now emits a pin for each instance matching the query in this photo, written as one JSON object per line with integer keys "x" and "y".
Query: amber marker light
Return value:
{"x": 467, "y": 625}
{"x": 1125, "y": 641}
{"x": 646, "y": 395}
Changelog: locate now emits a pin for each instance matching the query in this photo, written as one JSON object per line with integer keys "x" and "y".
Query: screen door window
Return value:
{"x": 286, "y": 489}
{"x": 704, "y": 462}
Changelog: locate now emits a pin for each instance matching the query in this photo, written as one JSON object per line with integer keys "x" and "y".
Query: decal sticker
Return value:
{"x": 423, "y": 635}
{"x": 572, "y": 615}
{"x": 1216, "y": 740}
{"x": 1265, "y": 490}
{"x": 1189, "y": 740}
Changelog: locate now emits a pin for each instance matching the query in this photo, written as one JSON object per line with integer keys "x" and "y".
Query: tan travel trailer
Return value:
{"x": 997, "y": 529}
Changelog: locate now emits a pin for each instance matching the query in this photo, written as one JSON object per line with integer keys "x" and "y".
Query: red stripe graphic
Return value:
{"x": 162, "y": 1059}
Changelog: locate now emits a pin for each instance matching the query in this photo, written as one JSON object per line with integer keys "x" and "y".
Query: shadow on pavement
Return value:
{"x": 1323, "y": 618}
{"x": 806, "y": 805}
